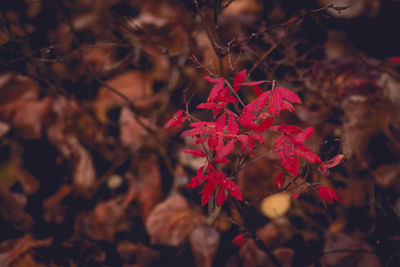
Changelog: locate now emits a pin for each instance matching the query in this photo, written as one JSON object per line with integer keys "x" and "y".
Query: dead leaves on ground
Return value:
{"x": 117, "y": 159}
{"x": 172, "y": 221}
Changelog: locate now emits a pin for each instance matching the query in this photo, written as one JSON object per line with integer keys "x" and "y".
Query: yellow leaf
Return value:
{"x": 276, "y": 205}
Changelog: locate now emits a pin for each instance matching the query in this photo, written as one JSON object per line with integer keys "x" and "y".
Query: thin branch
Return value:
{"x": 226, "y": 5}
{"x": 293, "y": 20}
{"x": 262, "y": 58}
{"x": 211, "y": 38}
{"x": 348, "y": 250}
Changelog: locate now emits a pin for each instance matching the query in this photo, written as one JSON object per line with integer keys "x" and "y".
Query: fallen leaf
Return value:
{"x": 142, "y": 255}
{"x": 11, "y": 250}
{"x": 22, "y": 108}
{"x": 276, "y": 232}
{"x": 275, "y": 205}
{"x": 131, "y": 131}
{"x": 341, "y": 250}
{"x": 54, "y": 210}
{"x": 171, "y": 221}
{"x": 69, "y": 146}
{"x": 135, "y": 85}
{"x": 107, "y": 219}
{"x": 4, "y": 128}
{"x": 12, "y": 210}
{"x": 204, "y": 241}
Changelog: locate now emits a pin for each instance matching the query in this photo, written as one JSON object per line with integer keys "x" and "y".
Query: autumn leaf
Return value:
{"x": 328, "y": 194}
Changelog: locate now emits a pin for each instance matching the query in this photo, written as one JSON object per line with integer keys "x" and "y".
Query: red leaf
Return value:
{"x": 208, "y": 192}
{"x": 226, "y": 149}
{"x": 216, "y": 90}
{"x": 212, "y": 141}
{"x": 279, "y": 180}
{"x": 395, "y": 60}
{"x": 198, "y": 153}
{"x": 264, "y": 125}
{"x": 255, "y": 83}
{"x": 328, "y": 194}
{"x": 323, "y": 169}
{"x": 231, "y": 187}
{"x": 308, "y": 156}
{"x": 288, "y": 95}
{"x": 257, "y": 90}
{"x": 233, "y": 127}
{"x": 207, "y": 105}
{"x": 277, "y": 102}
{"x": 246, "y": 119}
{"x": 290, "y": 162}
{"x": 295, "y": 196}
{"x": 305, "y": 134}
{"x": 198, "y": 179}
{"x": 257, "y": 137}
{"x": 246, "y": 144}
{"x": 209, "y": 79}
{"x": 176, "y": 119}
{"x": 221, "y": 160}
{"x": 258, "y": 104}
{"x": 287, "y": 129}
{"x": 239, "y": 78}
{"x": 220, "y": 145}
{"x": 221, "y": 123}
{"x": 220, "y": 196}
{"x": 334, "y": 161}
{"x": 239, "y": 239}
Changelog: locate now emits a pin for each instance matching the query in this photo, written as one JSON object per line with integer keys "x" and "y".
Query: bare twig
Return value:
{"x": 213, "y": 38}
{"x": 293, "y": 20}
{"x": 262, "y": 58}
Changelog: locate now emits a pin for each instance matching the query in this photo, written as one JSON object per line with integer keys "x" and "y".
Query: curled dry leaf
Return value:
{"x": 4, "y": 128}
{"x": 131, "y": 132}
{"x": 22, "y": 108}
{"x": 135, "y": 85}
{"x": 12, "y": 171}
{"x": 11, "y": 250}
{"x": 146, "y": 185}
{"x": 107, "y": 219}
{"x": 142, "y": 255}
{"x": 284, "y": 256}
{"x": 12, "y": 210}
{"x": 362, "y": 123}
{"x": 387, "y": 175}
{"x": 276, "y": 233}
{"x": 54, "y": 210}
{"x": 251, "y": 255}
{"x": 204, "y": 241}
{"x": 169, "y": 29}
{"x": 340, "y": 250}
{"x": 70, "y": 148}
{"x": 171, "y": 221}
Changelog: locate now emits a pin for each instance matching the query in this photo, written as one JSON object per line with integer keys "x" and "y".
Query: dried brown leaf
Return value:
{"x": 131, "y": 132}
{"x": 343, "y": 250}
{"x": 12, "y": 210}
{"x": 107, "y": 219}
{"x": 11, "y": 250}
{"x": 204, "y": 241}
{"x": 171, "y": 221}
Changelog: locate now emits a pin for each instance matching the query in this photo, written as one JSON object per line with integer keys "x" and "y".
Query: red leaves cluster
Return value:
{"x": 395, "y": 60}
{"x": 219, "y": 137}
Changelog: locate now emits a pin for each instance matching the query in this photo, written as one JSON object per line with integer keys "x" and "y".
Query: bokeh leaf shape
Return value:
{"x": 275, "y": 205}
